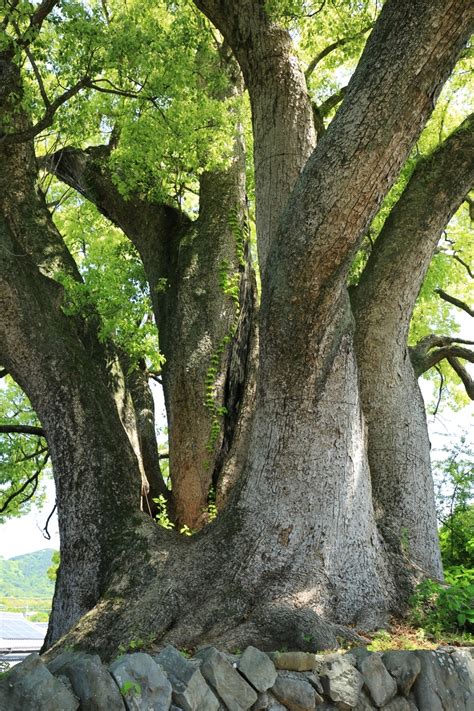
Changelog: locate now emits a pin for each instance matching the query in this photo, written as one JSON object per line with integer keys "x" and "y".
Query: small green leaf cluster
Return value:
{"x": 53, "y": 569}
{"x": 162, "y": 518}
{"x": 438, "y": 607}
{"x": 130, "y": 688}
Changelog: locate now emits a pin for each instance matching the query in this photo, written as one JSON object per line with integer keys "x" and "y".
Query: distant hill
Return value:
{"x": 24, "y": 576}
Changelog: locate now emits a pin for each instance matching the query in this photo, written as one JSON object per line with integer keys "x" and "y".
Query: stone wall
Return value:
{"x": 441, "y": 680}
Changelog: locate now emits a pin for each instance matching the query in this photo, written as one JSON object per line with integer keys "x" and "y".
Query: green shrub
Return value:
{"x": 449, "y": 607}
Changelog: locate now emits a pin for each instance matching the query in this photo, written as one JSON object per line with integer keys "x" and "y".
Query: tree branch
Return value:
{"x": 46, "y": 533}
{"x": 33, "y": 478}
{"x": 42, "y": 13}
{"x": 319, "y": 112}
{"x": 440, "y": 390}
{"x": 38, "y": 77}
{"x": 456, "y": 302}
{"x": 3, "y": 372}
{"x": 22, "y": 429}
{"x": 467, "y": 381}
{"x": 48, "y": 117}
{"x": 332, "y": 47}
{"x": 464, "y": 264}
{"x": 447, "y": 352}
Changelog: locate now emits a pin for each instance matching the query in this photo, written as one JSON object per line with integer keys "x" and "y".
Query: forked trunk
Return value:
{"x": 383, "y": 303}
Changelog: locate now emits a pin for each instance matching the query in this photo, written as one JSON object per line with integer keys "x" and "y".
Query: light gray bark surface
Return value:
{"x": 383, "y": 303}
{"x": 298, "y": 538}
{"x": 184, "y": 263}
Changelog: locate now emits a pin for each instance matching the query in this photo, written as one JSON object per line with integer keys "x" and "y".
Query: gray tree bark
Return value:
{"x": 200, "y": 326}
{"x": 296, "y": 552}
{"x": 383, "y": 303}
{"x": 57, "y": 362}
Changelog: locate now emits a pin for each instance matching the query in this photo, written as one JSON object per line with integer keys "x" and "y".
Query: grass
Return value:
{"x": 406, "y": 637}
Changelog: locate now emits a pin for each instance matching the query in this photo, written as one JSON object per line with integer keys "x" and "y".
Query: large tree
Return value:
{"x": 321, "y": 529}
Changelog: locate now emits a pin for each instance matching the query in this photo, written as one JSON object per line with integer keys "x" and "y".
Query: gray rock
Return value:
{"x": 359, "y": 654}
{"x": 293, "y": 661}
{"x": 257, "y": 668}
{"x": 341, "y": 681}
{"x": 89, "y": 679}
{"x": 267, "y": 702}
{"x": 190, "y": 690}
{"x": 142, "y": 683}
{"x": 399, "y": 703}
{"x": 464, "y": 662}
{"x": 30, "y": 686}
{"x": 404, "y": 667}
{"x": 262, "y": 703}
{"x": 229, "y": 685}
{"x": 364, "y": 703}
{"x": 382, "y": 687}
{"x": 295, "y": 693}
{"x": 441, "y": 684}
{"x": 314, "y": 681}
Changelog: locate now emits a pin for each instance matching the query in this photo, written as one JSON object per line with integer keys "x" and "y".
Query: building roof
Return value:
{"x": 14, "y": 626}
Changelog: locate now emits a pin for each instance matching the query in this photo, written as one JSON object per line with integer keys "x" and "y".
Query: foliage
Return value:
{"x": 438, "y": 607}
{"x": 114, "y": 284}
{"x": 457, "y": 538}
{"x": 162, "y": 518}
{"x": 455, "y": 510}
{"x": 130, "y": 688}
{"x": 53, "y": 569}
{"x": 25, "y": 576}
{"x": 23, "y": 458}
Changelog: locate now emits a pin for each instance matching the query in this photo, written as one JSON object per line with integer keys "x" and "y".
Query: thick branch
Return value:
{"x": 42, "y": 13}
{"x": 3, "y": 372}
{"x": 468, "y": 382}
{"x": 446, "y": 352}
{"x": 332, "y": 47}
{"x": 390, "y": 283}
{"x": 356, "y": 163}
{"x": 456, "y": 302}
{"x": 424, "y": 357}
{"x": 284, "y": 136}
{"x": 22, "y": 429}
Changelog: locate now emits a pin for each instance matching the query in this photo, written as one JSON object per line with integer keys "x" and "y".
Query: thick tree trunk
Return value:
{"x": 383, "y": 303}
{"x": 59, "y": 364}
{"x": 189, "y": 266}
{"x": 298, "y": 538}
{"x": 282, "y": 118}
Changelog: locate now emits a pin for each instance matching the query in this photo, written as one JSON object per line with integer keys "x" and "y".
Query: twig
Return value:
{"x": 440, "y": 391}
{"x": 46, "y": 533}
